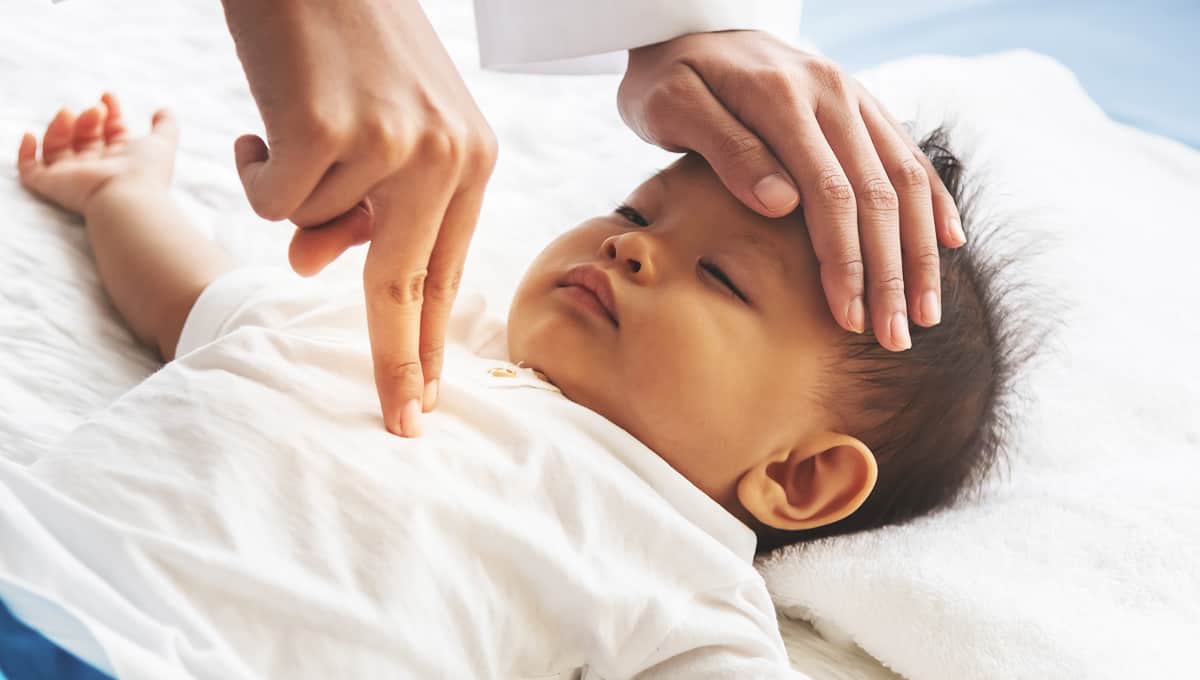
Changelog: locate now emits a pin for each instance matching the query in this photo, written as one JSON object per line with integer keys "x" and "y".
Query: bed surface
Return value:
{"x": 565, "y": 156}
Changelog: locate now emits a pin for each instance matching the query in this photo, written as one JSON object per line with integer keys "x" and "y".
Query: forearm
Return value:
{"x": 153, "y": 263}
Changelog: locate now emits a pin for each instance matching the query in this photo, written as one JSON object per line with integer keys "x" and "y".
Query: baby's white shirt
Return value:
{"x": 248, "y": 501}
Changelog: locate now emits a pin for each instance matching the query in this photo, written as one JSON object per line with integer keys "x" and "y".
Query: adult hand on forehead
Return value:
{"x": 782, "y": 127}
{"x": 371, "y": 136}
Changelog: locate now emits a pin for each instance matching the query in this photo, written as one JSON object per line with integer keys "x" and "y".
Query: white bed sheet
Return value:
{"x": 63, "y": 351}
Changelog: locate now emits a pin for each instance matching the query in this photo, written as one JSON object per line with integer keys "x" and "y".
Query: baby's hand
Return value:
{"x": 81, "y": 156}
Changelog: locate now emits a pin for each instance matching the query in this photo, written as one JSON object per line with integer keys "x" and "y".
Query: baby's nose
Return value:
{"x": 632, "y": 250}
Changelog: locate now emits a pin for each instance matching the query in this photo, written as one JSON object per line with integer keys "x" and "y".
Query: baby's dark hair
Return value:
{"x": 934, "y": 415}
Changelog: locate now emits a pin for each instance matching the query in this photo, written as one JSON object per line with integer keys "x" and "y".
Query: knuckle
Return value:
{"x": 443, "y": 289}
{"x": 488, "y": 149}
{"x": 441, "y": 143}
{"x": 910, "y": 175}
{"x": 404, "y": 291}
{"x": 325, "y": 131}
{"x": 889, "y": 282}
{"x": 386, "y": 130}
{"x": 828, "y": 75}
{"x": 926, "y": 259}
{"x": 484, "y": 152}
{"x": 877, "y": 194}
{"x": 847, "y": 266}
{"x": 678, "y": 89}
{"x": 773, "y": 80}
{"x": 385, "y": 140}
{"x": 676, "y": 92}
{"x": 834, "y": 188}
{"x": 662, "y": 98}
{"x": 433, "y": 354}
{"x": 738, "y": 145}
{"x": 403, "y": 371}
{"x": 444, "y": 136}
{"x": 376, "y": 131}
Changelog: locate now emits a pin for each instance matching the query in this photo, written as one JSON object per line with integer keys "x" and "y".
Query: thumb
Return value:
{"x": 163, "y": 123}
{"x": 249, "y": 149}
{"x": 251, "y": 155}
{"x": 746, "y": 166}
{"x": 277, "y": 182}
{"x": 313, "y": 248}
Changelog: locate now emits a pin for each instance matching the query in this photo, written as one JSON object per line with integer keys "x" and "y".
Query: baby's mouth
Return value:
{"x": 591, "y": 287}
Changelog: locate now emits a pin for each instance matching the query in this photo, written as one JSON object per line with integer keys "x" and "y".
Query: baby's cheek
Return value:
{"x": 692, "y": 375}
{"x": 684, "y": 407}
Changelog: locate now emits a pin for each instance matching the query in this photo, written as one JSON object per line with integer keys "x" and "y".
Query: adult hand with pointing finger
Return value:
{"x": 371, "y": 136}
{"x": 783, "y": 128}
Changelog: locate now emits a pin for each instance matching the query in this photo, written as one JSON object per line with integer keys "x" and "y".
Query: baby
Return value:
{"x": 669, "y": 396}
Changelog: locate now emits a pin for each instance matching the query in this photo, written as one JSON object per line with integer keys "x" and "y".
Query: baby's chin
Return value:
{"x": 557, "y": 357}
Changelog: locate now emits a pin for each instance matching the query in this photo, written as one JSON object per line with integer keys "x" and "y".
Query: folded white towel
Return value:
{"x": 1080, "y": 559}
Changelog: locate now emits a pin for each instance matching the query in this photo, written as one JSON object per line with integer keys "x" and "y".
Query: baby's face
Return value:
{"x": 711, "y": 382}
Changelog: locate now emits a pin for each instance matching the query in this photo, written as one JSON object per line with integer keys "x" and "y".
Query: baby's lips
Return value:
{"x": 596, "y": 280}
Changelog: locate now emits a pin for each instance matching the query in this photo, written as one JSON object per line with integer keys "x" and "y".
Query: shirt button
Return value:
{"x": 502, "y": 372}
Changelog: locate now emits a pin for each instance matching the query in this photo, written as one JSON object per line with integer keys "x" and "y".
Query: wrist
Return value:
{"x": 122, "y": 189}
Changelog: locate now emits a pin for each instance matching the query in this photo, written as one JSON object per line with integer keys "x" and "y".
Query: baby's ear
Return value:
{"x": 814, "y": 484}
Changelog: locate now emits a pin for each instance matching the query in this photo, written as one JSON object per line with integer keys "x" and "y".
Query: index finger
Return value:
{"x": 114, "y": 122}
{"x": 830, "y": 213}
{"x": 408, "y": 212}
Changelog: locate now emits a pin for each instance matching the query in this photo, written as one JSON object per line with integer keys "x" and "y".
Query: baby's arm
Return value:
{"x": 152, "y": 262}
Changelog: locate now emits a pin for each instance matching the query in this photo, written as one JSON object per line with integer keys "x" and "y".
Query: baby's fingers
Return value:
{"x": 89, "y": 130}
{"x": 58, "y": 138}
{"x": 28, "y": 167}
{"x": 27, "y": 153}
{"x": 163, "y": 123}
{"x": 114, "y": 122}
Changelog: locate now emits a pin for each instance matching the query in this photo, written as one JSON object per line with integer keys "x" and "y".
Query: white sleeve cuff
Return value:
{"x": 214, "y": 312}
{"x": 587, "y": 36}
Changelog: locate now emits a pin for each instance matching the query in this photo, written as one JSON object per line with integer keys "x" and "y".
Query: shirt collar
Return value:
{"x": 669, "y": 483}
{"x": 686, "y": 497}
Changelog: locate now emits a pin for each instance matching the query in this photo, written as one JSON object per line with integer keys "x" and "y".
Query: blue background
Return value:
{"x": 1137, "y": 60}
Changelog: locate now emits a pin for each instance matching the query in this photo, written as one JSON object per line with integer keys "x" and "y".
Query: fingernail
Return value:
{"x": 410, "y": 419}
{"x": 776, "y": 193}
{"x": 429, "y": 399}
{"x": 856, "y": 315}
{"x": 957, "y": 230}
{"x": 931, "y": 309}
{"x": 900, "y": 331}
